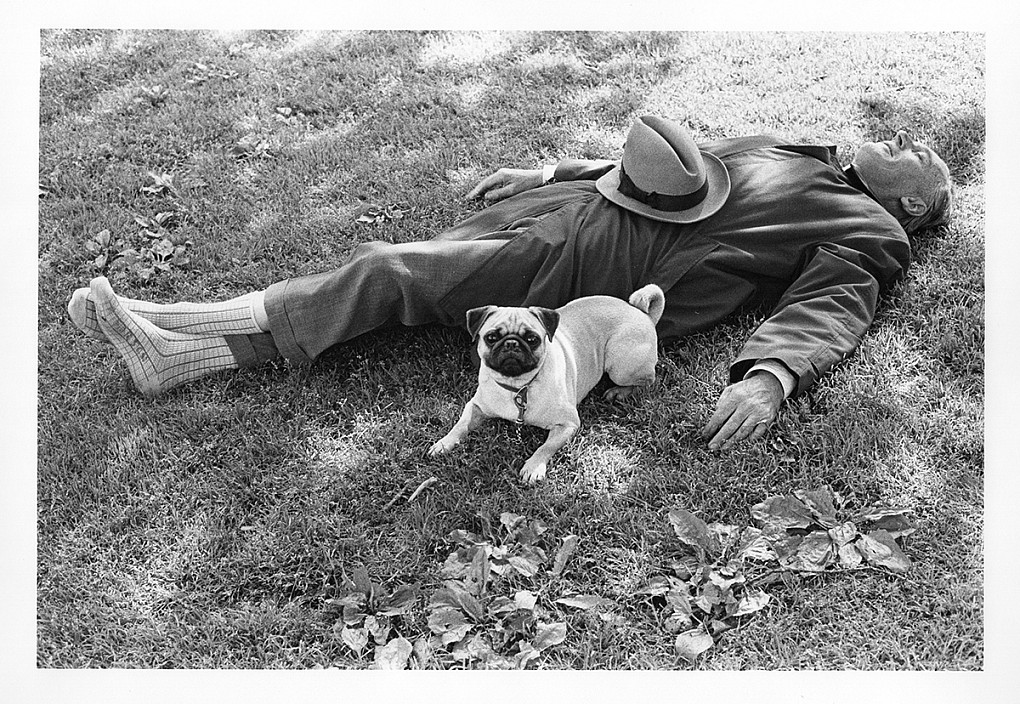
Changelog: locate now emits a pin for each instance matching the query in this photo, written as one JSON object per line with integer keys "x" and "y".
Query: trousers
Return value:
{"x": 380, "y": 285}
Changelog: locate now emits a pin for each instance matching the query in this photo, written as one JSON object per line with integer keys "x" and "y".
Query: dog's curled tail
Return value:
{"x": 649, "y": 299}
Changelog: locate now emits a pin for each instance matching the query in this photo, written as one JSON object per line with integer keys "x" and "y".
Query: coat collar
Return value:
{"x": 854, "y": 180}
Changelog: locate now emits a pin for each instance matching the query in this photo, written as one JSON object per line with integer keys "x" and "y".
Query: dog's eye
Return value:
{"x": 492, "y": 337}
{"x": 532, "y": 339}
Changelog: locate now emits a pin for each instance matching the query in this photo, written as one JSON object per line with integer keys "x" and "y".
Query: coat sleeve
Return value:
{"x": 822, "y": 316}
{"x": 582, "y": 169}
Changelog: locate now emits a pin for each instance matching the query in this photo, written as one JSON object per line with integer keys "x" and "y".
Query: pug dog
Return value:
{"x": 537, "y": 364}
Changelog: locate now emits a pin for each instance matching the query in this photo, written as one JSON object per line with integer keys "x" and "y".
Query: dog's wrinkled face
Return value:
{"x": 512, "y": 341}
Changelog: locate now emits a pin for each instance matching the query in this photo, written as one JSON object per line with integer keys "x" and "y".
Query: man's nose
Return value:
{"x": 903, "y": 140}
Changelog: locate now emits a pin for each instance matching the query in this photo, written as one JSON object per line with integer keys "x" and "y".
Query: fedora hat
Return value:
{"x": 664, "y": 176}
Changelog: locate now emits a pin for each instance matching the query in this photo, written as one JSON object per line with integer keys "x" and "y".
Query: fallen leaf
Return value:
{"x": 690, "y": 644}
{"x": 478, "y": 571}
{"x": 874, "y": 513}
{"x": 393, "y": 656}
{"x": 675, "y": 623}
{"x": 422, "y": 649}
{"x": 455, "y": 566}
{"x": 454, "y": 595}
{"x": 548, "y": 635}
{"x": 784, "y": 544}
{"x": 584, "y": 601}
{"x": 400, "y": 602}
{"x": 782, "y": 511}
{"x": 879, "y": 548}
{"x": 362, "y": 581}
{"x": 719, "y": 627}
{"x": 849, "y": 556}
{"x": 355, "y": 638}
{"x": 820, "y": 503}
{"x": 843, "y": 533}
{"x": 710, "y": 596}
{"x": 691, "y": 530}
{"x": 526, "y": 655}
{"x": 752, "y": 601}
{"x": 501, "y": 606}
{"x": 523, "y": 565}
{"x": 897, "y": 525}
{"x": 476, "y": 648}
{"x": 724, "y": 582}
{"x": 753, "y": 546}
{"x": 449, "y": 624}
{"x": 563, "y": 554}
{"x": 813, "y": 553}
{"x": 679, "y": 600}
{"x": 525, "y": 600}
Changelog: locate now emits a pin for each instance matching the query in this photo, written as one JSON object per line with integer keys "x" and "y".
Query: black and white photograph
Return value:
{"x": 526, "y": 349}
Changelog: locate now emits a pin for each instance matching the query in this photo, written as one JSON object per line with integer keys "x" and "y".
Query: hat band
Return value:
{"x": 660, "y": 201}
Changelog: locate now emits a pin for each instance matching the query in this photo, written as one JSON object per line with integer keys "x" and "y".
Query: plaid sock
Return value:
{"x": 233, "y": 317}
{"x": 157, "y": 359}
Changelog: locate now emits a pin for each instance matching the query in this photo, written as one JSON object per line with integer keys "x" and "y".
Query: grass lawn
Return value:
{"x": 220, "y": 526}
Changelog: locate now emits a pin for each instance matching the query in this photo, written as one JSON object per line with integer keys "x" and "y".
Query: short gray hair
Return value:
{"x": 938, "y": 213}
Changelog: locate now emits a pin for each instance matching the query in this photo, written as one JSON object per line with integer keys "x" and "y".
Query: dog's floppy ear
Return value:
{"x": 549, "y": 317}
{"x": 477, "y": 316}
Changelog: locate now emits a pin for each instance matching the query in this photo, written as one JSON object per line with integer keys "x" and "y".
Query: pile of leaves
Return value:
{"x": 498, "y": 606}
{"x": 489, "y": 611}
{"x": 807, "y": 535}
{"x": 720, "y": 579}
{"x": 370, "y": 612}
{"x": 482, "y": 614}
{"x": 142, "y": 254}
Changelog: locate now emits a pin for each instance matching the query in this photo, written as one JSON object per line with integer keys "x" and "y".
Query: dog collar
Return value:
{"x": 520, "y": 396}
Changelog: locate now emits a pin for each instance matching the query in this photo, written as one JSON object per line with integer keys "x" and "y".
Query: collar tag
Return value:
{"x": 521, "y": 401}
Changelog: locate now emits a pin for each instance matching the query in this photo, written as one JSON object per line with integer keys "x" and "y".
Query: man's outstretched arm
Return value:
{"x": 509, "y": 182}
{"x": 817, "y": 323}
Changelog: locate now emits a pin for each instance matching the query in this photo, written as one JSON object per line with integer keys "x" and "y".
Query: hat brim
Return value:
{"x": 718, "y": 191}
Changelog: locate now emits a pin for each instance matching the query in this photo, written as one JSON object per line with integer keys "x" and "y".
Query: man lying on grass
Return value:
{"x": 720, "y": 227}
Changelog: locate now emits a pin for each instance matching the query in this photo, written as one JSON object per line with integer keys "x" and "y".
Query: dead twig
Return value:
{"x": 422, "y": 487}
{"x": 396, "y": 497}
{"x": 414, "y": 494}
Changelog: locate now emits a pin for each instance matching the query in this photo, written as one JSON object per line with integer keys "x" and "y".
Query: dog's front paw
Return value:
{"x": 620, "y": 393}
{"x": 533, "y": 471}
{"x": 443, "y": 445}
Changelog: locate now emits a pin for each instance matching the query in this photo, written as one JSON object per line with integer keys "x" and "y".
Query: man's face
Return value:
{"x": 900, "y": 167}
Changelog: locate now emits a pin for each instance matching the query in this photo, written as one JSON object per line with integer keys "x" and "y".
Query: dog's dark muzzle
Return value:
{"x": 512, "y": 356}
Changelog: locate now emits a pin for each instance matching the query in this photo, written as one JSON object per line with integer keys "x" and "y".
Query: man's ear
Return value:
{"x": 550, "y": 319}
{"x": 477, "y": 316}
{"x": 913, "y": 206}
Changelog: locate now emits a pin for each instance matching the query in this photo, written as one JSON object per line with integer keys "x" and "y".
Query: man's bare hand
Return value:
{"x": 744, "y": 411}
{"x": 505, "y": 183}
